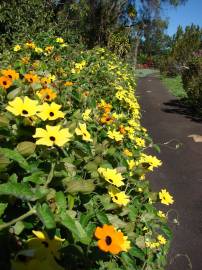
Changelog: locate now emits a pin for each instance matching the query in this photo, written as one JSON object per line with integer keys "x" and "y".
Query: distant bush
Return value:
{"x": 192, "y": 81}
{"x": 168, "y": 66}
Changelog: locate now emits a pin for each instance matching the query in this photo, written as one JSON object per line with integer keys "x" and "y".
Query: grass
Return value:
{"x": 174, "y": 86}
{"x": 145, "y": 72}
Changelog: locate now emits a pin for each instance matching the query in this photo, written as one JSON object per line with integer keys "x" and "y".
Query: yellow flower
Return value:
{"x": 140, "y": 142}
{"x": 38, "y": 50}
{"x": 86, "y": 114}
{"x": 154, "y": 245}
{"x": 25, "y": 107}
{"x": 30, "y": 45}
{"x": 131, "y": 164}
{"x": 111, "y": 176}
{"x": 118, "y": 196}
{"x": 161, "y": 214}
{"x": 17, "y": 48}
{"x": 127, "y": 152}
{"x": 41, "y": 253}
{"x": 46, "y": 94}
{"x": 53, "y": 244}
{"x": 149, "y": 162}
{"x": 126, "y": 245}
{"x": 82, "y": 130}
{"x": 53, "y": 135}
{"x": 50, "y": 111}
{"x": 25, "y": 60}
{"x": 45, "y": 80}
{"x": 52, "y": 77}
{"x": 49, "y": 49}
{"x": 59, "y": 40}
{"x": 115, "y": 135}
{"x": 64, "y": 45}
{"x": 142, "y": 177}
{"x": 161, "y": 239}
{"x": 165, "y": 197}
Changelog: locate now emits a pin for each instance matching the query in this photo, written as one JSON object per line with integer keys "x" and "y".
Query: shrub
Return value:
{"x": 168, "y": 66}
{"x": 73, "y": 186}
{"x": 192, "y": 80}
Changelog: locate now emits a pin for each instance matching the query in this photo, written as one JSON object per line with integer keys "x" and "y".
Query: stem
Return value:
{"x": 15, "y": 220}
{"x": 50, "y": 176}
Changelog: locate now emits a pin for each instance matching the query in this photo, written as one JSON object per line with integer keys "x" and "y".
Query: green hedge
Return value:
{"x": 192, "y": 81}
{"x": 73, "y": 186}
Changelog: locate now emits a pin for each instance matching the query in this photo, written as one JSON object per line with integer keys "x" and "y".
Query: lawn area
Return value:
{"x": 174, "y": 85}
{"x": 145, "y": 72}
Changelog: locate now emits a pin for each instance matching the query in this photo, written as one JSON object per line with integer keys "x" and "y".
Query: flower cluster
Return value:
{"x": 73, "y": 159}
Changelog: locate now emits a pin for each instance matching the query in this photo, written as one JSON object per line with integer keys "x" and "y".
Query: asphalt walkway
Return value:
{"x": 170, "y": 124}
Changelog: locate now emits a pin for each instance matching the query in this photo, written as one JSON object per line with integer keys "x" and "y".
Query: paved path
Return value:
{"x": 181, "y": 172}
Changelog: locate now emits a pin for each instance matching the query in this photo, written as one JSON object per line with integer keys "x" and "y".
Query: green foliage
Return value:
{"x": 192, "y": 81}
{"x": 24, "y": 18}
{"x": 186, "y": 43}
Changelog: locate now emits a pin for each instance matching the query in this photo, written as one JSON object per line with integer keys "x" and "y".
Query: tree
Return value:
{"x": 186, "y": 43}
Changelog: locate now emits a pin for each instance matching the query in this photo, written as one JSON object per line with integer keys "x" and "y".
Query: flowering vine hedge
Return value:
{"x": 73, "y": 186}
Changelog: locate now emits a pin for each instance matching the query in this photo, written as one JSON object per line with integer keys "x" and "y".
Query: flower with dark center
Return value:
{"x": 23, "y": 106}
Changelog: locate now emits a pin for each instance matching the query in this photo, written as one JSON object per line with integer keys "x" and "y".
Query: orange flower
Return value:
{"x": 46, "y": 94}
{"x": 45, "y": 80}
{"x": 5, "y": 82}
{"x": 106, "y": 119}
{"x": 110, "y": 240}
{"x": 12, "y": 74}
{"x": 107, "y": 108}
{"x": 122, "y": 129}
{"x": 68, "y": 84}
{"x": 31, "y": 78}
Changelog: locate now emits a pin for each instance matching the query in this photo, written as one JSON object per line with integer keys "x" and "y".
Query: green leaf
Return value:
{"x": 14, "y": 155}
{"x": 46, "y": 216}
{"x": 137, "y": 252}
{"x": 91, "y": 166}
{"x": 83, "y": 186}
{"x": 71, "y": 200}
{"x": 61, "y": 201}
{"x": 75, "y": 227}
{"x": 146, "y": 217}
{"x": 36, "y": 177}
{"x": 18, "y": 190}
{"x": 128, "y": 262}
{"x": 85, "y": 217}
{"x": 157, "y": 148}
{"x": 116, "y": 221}
{"x": 167, "y": 231}
{"x": 102, "y": 217}
{"x": 23, "y": 191}
{"x": 140, "y": 241}
{"x": 2, "y": 208}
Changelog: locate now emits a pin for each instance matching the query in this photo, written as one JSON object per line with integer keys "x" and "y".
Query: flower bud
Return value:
{"x": 26, "y": 148}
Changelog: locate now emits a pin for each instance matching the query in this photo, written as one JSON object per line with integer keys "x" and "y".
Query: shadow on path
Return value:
{"x": 180, "y": 106}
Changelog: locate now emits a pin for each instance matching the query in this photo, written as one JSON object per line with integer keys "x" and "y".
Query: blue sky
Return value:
{"x": 184, "y": 15}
